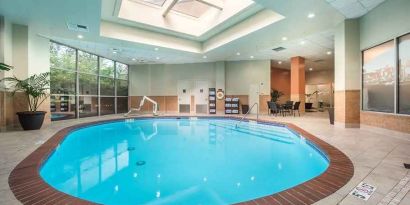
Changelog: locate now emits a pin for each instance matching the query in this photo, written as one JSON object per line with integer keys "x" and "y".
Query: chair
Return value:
{"x": 296, "y": 107}
{"x": 272, "y": 108}
{"x": 287, "y": 108}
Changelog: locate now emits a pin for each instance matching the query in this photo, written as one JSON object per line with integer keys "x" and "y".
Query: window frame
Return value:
{"x": 396, "y": 70}
{"x": 77, "y": 73}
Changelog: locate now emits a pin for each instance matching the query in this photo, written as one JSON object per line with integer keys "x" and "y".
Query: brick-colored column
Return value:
{"x": 297, "y": 81}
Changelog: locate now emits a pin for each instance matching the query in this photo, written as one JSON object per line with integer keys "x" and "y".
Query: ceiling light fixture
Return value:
{"x": 329, "y": 53}
{"x": 80, "y": 36}
{"x": 310, "y": 69}
{"x": 311, "y": 15}
{"x": 284, "y": 38}
{"x": 238, "y": 54}
{"x": 279, "y": 62}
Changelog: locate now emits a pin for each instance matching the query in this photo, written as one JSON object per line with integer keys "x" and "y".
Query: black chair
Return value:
{"x": 272, "y": 108}
{"x": 296, "y": 108}
{"x": 287, "y": 108}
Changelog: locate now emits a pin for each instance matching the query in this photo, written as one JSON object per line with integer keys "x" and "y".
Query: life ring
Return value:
{"x": 220, "y": 95}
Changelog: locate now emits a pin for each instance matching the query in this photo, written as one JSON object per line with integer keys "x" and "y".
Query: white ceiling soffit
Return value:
{"x": 149, "y": 16}
{"x": 354, "y": 8}
{"x": 127, "y": 33}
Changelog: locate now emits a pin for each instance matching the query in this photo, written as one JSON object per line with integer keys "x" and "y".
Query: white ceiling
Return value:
{"x": 354, "y": 8}
{"x": 50, "y": 17}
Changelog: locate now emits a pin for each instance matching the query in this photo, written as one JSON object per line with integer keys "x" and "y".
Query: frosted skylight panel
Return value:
{"x": 155, "y": 2}
{"x": 191, "y": 7}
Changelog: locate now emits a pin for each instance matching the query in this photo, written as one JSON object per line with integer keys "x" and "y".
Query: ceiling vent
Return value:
{"x": 279, "y": 49}
{"x": 77, "y": 27}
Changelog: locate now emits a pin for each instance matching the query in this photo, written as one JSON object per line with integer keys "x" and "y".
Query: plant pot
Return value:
{"x": 31, "y": 120}
{"x": 308, "y": 106}
{"x": 332, "y": 115}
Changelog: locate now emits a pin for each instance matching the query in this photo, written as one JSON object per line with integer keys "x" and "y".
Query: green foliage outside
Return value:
{"x": 63, "y": 73}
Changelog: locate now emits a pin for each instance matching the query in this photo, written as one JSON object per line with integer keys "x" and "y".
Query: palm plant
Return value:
{"x": 5, "y": 67}
{"x": 309, "y": 96}
{"x": 275, "y": 95}
{"x": 35, "y": 87}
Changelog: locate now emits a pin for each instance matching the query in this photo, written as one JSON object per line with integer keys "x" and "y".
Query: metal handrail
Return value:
{"x": 257, "y": 114}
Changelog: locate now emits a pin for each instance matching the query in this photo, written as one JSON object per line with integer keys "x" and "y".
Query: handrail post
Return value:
{"x": 257, "y": 113}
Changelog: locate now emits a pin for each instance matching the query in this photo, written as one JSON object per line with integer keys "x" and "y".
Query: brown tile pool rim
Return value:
{"x": 29, "y": 187}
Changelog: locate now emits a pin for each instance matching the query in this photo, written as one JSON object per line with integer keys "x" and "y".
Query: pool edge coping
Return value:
{"x": 29, "y": 187}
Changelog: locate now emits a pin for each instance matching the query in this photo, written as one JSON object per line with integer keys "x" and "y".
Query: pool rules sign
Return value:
{"x": 363, "y": 191}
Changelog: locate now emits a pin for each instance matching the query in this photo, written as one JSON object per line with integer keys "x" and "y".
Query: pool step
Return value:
{"x": 269, "y": 136}
{"x": 281, "y": 132}
{"x": 265, "y": 127}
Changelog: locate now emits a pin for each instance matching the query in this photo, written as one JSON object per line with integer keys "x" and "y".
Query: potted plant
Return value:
{"x": 309, "y": 104}
{"x": 36, "y": 90}
{"x": 275, "y": 95}
{"x": 5, "y": 67}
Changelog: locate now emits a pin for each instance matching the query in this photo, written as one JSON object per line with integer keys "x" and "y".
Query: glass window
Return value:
{"x": 404, "y": 74}
{"x": 88, "y": 106}
{"x": 107, "y": 105}
{"x": 87, "y": 63}
{"x": 106, "y": 67}
{"x": 62, "y": 57}
{"x": 70, "y": 66}
{"x": 378, "y": 78}
{"x": 107, "y": 86}
{"x": 122, "y": 87}
{"x": 62, "y": 107}
{"x": 122, "y": 71}
{"x": 62, "y": 82}
{"x": 122, "y": 104}
{"x": 88, "y": 84}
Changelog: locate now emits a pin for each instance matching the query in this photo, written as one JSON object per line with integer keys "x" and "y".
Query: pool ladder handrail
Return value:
{"x": 247, "y": 113}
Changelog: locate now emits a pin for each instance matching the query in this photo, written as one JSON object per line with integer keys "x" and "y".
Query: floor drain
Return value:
{"x": 140, "y": 163}
{"x": 131, "y": 148}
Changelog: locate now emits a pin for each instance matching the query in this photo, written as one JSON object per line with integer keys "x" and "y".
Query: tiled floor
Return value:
{"x": 377, "y": 155}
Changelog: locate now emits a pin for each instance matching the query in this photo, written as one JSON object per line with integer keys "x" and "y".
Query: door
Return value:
{"x": 184, "y": 96}
{"x": 201, "y": 93}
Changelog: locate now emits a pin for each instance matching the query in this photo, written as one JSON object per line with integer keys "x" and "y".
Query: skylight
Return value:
{"x": 155, "y": 2}
{"x": 191, "y": 7}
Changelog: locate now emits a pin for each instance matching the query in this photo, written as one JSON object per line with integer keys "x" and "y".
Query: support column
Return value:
{"x": 347, "y": 74}
{"x": 297, "y": 81}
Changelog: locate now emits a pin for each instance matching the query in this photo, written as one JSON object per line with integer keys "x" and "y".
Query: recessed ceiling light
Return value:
{"x": 311, "y": 15}
{"x": 279, "y": 62}
{"x": 252, "y": 57}
{"x": 157, "y": 58}
{"x": 310, "y": 69}
{"x": 329, "y": 53}
{"x": 204, "y": 57}
{"x": 302, "y": 43}
{"x": 238, "y": 54}
{"x": 156, "y": 49}
{"x": 80, "y": 36}
{"x": 284, "y": 38}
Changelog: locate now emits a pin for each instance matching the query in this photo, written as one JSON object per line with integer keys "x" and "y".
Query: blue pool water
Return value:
{"x": 180, "y": 161}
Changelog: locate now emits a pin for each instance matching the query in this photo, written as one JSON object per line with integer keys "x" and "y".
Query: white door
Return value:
{"x": 253, "y": 96}
{"x": 184, "y": 96}
{"x": 201, "y": 93}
